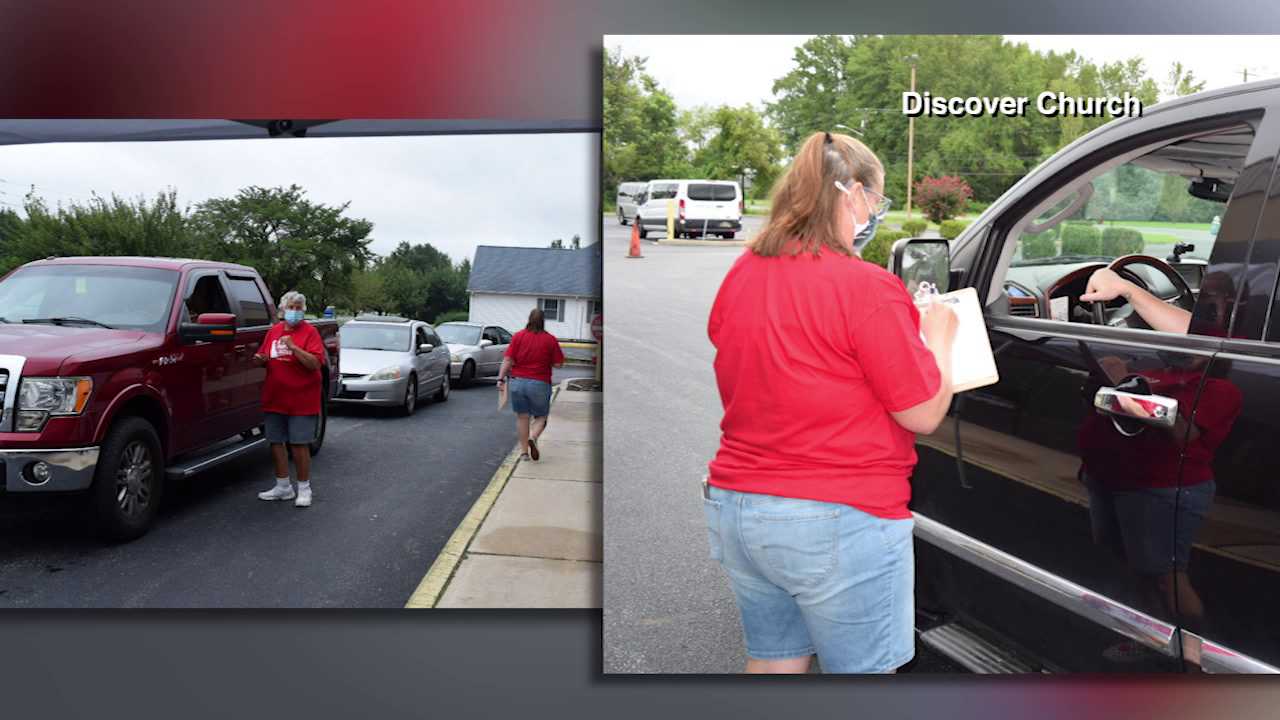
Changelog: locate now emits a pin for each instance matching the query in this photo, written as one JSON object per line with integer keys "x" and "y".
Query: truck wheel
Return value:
{"x": 443, "y": 393}
{"x": 467, "y": 374}
{"x": 410, "y": 397}
{"x": 127, "y": 484}
{"x": 324, "y": 421}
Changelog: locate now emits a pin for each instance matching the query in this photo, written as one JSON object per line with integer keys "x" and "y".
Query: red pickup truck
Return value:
{"x": 118, "y": 373}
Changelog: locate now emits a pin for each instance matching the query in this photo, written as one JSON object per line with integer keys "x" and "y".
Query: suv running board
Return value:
{"x": 972, "y": 652}
{"x": 184, "y": 467}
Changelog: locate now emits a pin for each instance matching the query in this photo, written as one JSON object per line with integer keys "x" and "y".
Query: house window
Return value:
{"x": 552, "y": 308}
{"x": 597, "y": 308}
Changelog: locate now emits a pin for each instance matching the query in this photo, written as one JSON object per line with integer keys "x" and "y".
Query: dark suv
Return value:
{"x": 1112, "y": 503}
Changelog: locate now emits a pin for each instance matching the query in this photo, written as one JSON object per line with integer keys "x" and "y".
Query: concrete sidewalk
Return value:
{"x": 534, "y": 538}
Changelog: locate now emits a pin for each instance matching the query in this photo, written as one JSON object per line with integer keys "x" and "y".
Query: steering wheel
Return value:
{"x": 1185, "y": 299}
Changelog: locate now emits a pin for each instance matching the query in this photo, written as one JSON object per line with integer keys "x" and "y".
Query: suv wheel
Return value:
{"x": 125, "y": 495}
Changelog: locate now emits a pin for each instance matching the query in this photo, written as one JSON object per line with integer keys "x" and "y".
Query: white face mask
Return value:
{"x": 862, "y": 232}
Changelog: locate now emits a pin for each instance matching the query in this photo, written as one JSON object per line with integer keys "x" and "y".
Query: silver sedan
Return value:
{"x": 475, "y": 349}
{"x": 393, "y": 362}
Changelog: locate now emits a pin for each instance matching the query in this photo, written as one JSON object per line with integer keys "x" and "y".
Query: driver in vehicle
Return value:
{"x": 1211, "y": 305}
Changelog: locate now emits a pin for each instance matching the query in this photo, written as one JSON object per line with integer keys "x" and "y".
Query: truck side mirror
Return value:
{"x": 209, "y": 327}
{"x": 916, "y": 260}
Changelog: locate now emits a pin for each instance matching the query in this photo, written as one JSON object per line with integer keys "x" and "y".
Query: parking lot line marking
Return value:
{"x": 437, "y": 578}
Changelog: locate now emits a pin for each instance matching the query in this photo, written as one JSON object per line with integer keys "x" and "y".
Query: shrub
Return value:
{"x": 942, "y": 198}
{"x": 951, "y": 229}
{"x": 915, "y": 226}
{"x": 877, "y": 251}
{"x": 1121, "y": 241}
{"x": 452, "y": 316}
{"x": 1038, "y": 246}
{"x": 1081, "y": 240}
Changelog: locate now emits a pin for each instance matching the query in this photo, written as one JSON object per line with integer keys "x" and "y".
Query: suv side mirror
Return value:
{"x": 916, "y": 260}
{"x": 209, "y": 327}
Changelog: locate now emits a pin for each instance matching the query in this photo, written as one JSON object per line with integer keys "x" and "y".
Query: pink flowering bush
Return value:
{"x": 942, "y": 198}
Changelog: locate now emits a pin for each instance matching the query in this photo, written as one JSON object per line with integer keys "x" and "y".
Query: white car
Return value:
{"x": 475, "y": 349}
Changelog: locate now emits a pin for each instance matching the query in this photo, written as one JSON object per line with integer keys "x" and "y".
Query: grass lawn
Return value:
{"x": 1157, "y": 239}
{"x": 1169, "y": 225}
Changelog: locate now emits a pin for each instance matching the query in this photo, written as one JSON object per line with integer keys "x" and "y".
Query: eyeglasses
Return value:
{"x": 882, "y": 205}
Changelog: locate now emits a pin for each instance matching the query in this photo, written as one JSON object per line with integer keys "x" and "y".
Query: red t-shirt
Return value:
{"x": 290, "y": 388}
{"x": 812, "y": 356}
{"x": 533, "y": 354}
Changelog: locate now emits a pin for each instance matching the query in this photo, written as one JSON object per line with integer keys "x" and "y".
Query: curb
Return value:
{"x": 433, "y": 585}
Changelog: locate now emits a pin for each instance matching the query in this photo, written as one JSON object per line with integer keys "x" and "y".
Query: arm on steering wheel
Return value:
{"x": 1105, "y": 284}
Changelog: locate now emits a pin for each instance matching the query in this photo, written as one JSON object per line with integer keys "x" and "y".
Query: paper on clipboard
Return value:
{"x": 502, "y": 396}
{"x": 972, "y": 363}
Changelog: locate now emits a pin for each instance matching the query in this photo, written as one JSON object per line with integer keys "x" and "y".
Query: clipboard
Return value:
{"x": 973, "y": 365}
{"x": 502, "y": 396}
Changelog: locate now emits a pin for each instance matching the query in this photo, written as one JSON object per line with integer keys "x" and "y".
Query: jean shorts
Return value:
{"x": 292, "y": 429}
{"x": 816, "y": 577}
{"x": 1140, "y": 523}
{"x": 530, "y": 396}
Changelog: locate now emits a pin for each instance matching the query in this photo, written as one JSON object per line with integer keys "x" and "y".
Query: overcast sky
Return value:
{"x": 748, "y": 65}
{"x": 455, "y": 192}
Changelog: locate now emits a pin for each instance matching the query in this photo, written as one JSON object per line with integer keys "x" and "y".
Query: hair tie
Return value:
{"x": 824, "y": 132}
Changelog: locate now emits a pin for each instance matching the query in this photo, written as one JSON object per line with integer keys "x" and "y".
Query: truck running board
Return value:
{"x": 972, "y": 652}
{"x": 186, "y": 466}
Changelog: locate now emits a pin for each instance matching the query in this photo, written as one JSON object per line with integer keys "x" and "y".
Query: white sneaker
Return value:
{"x": 277, "y": 493}
{"x": 304, "y": 498}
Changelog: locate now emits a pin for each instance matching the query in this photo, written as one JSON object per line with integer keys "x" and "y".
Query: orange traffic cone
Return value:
{"x": 635, "y": 240}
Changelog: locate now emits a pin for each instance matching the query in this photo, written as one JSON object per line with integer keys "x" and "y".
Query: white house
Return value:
{"x": 507, "y": 282}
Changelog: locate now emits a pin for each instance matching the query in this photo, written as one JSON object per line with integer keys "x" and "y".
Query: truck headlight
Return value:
{"x": 387, "y": 373}
{"x": 56, "y": 396}
{"x": 38, "y": 398}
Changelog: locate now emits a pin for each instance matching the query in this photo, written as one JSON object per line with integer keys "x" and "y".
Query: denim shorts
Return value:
{"x": 1140, "y": 523}
{"x": 292, "y": 429}
{"x": 816, "y": 577}
{"x": 530, "y": 396}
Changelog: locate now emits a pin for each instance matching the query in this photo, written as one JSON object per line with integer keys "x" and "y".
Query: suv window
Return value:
{"x": 712, "y": 191}
{"x": 206, "y": 296}
{"x": 253, "y": 308}
{"x": 1157, "y": 204}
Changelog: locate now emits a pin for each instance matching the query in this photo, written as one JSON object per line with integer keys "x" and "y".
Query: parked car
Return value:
{"x": 476, "y": 350}
{"x": 392, "y": 362}
{"x": 120, "y": 373}
{"x": 1061, "y": 512}
{"x": 626, "y": 200}
{"x": 701, "y": 207}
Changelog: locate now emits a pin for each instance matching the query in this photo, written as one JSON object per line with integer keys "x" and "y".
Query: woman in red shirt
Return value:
{"x": 826, "y": 371}
{"x": 293, "y": 354}
{"x": 530, "y": 356}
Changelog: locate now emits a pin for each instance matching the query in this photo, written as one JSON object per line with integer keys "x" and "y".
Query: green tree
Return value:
{"x": 814, "y": 95}
{"x": 739, "y": 146}
{"x": 101, "y": 226}
{"x": 422, "y": 282}
{"x": 293, "y": 242}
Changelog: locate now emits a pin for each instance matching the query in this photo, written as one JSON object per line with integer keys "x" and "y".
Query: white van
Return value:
{"x": 702, "y": 207}
{"x": 626, "y": 201}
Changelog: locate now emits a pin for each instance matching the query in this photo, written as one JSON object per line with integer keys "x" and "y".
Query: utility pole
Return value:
{"x": 911, "y": 133}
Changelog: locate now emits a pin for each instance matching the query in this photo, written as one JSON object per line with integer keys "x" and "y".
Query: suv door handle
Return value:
{"x": 1151, "y": 409}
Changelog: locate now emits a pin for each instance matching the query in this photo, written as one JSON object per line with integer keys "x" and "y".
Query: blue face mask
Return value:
{"x": 293, "y": 317}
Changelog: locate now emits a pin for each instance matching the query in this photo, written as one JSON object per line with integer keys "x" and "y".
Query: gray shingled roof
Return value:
{"x": 536, "y": 271}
